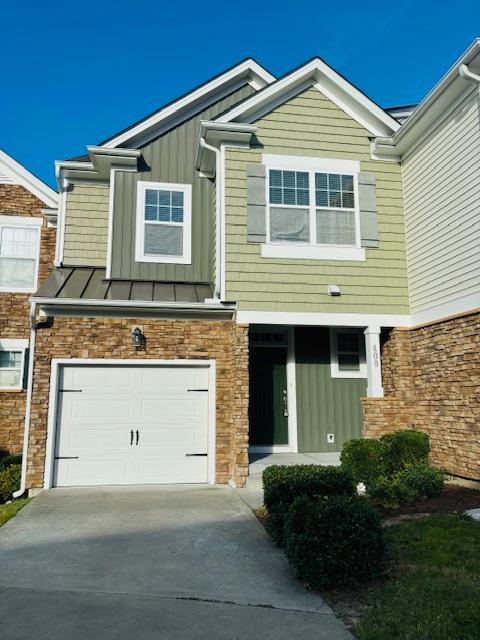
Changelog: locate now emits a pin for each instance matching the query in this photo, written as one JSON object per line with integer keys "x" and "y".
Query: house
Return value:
{"x": 27, "y": 241}
{"x": 232, "y": 273}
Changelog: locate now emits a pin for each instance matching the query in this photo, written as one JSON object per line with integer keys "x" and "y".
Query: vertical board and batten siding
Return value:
{"x": 86, "y": 224}
{"x": 311, "y": 125}
{"x": 169, "y": 158}
{"x": 442, "y": 193}
{"x": 324, "y": 404}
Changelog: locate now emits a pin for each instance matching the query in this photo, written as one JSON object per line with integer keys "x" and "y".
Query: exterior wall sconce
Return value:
{"x": 138, "y": 338}
{"x": 334, "y": 290}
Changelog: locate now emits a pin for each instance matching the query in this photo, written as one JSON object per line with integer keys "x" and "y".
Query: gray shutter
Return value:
{"x": 256, "y": 203}
{"x": 368, "y": 210}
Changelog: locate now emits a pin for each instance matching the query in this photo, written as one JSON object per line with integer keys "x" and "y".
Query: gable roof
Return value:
{"x": 12, "y": 172}
{"x": 333, "y": 85}
{"x": 247, "y": 71}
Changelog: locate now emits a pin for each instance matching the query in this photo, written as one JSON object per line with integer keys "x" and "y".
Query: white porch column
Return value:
{"x": 374, "y": 366}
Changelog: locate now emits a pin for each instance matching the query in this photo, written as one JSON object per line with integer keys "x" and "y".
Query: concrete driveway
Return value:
{"x": 146, "y": 562}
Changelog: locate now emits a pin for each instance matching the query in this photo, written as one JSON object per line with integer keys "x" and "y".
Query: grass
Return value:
{"x": 7, "y": 511}
{"x": 432, "y": 590}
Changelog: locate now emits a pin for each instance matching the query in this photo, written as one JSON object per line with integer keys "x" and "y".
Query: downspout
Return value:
{"x": 218, "y": 217}
{"x": 26, "y": 429}
{"x": 464, "y": 72}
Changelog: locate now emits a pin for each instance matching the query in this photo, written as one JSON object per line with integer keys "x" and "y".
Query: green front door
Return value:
{"x": 268, "y": 396}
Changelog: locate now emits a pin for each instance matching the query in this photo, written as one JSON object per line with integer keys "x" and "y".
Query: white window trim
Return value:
{"x": 15, "y": 345}
{"x": 30, "y": 223}
{"x": 334, "y": 368}
{"x": 311, "y": 250}
{"x": 140, "y": 256}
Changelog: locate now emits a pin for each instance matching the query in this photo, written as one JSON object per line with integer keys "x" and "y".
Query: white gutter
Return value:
{"x": 464, "y": 72}
{"x": 26, "y": 429}
{"x": 218, "y": 217}
{"x": 137, "y": 304}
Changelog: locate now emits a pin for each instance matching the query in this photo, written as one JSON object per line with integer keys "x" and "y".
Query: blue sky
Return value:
{"x": 75, "y": 73}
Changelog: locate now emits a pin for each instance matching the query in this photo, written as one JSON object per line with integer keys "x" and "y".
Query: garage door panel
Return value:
{"x": 104, "y": 404}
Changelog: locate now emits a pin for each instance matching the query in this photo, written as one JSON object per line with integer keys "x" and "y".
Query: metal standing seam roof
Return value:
{"x": 89, "y": 283}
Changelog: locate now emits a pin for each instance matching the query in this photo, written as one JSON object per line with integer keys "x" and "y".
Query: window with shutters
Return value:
{"x": 19, "y": 253}
{"x": 164, "y": 219}
{"x": 313, "y": 208}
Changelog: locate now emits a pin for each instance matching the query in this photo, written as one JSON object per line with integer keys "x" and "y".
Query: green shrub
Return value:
{"x": 363, "y": 460}
{"x": 335, "y": 541}
{"x": 407, "y": 486}
{"x": 8, "y": 460}
{"x": 282, "y": 484}
{"x": 425, "y": 480}
{"x": 9, "y": 481}
{"x": 404, "y": 448}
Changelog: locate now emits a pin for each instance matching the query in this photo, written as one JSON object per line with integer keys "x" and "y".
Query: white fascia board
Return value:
{"x": 24, "y": 178}
{"x": 312, "y": 318}
{"x": 216, "y": 134}
{"x": 431, "y": 109}
{"x": 332, "y": 85}
{"x": 249, "y": 70}
{"x": 134, "y": 304}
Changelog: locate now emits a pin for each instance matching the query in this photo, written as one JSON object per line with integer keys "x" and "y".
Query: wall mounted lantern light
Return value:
{"x": 138, "y": 338}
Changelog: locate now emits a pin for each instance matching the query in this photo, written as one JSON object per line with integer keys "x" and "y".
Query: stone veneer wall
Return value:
{"x": 431, "y": 378}
{"x": 15, "y": 200}
{"x": 224, "y": 341}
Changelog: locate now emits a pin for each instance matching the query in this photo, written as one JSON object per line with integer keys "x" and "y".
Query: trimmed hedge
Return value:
{"x": 8, "y": 460}
{"x": 334, "y": 542}
{"x": 404, "y": 448}
{"x": 363, "y": 460}
{"x": 9, "y": 481}
{"x": 283, "y": 484}
{"x": 407, "y": 486}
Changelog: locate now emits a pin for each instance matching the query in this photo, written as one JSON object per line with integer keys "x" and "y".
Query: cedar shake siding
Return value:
{"x": 15, "y": 200}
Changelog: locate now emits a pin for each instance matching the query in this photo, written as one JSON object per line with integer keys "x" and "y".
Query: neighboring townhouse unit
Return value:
{"x": 433, "y": 370}
{"x": 27, "y": 244}
{"x": 230, "y": 273}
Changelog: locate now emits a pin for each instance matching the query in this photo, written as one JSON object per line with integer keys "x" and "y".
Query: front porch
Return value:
{"x": 258, "y": 462}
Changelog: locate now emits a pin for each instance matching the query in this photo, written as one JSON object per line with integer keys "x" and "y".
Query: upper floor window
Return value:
{"x": 19, "y": 253}
{"x": 163, "y": 230}
{"x": 312, "y": 207}
{"x": 348, "y": 358}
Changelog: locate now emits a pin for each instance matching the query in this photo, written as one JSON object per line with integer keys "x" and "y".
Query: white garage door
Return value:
{"x": 131, "y": 425}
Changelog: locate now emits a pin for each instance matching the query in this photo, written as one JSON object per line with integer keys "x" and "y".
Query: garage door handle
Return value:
{"x": 137, "y": 436}
{"x": 198, "y": 390}
{"x": 66, "y": 457}
{"x": 131, "y": 437}
{"x": 196, "y": 455}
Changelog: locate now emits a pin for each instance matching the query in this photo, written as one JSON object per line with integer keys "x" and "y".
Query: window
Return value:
{"x": 163, "y": 223}
{"x": 19, "y": 253}
{"x": 347, "y": 348}
{"x": 327, "y": 216}
{"x": 12, "y": 364}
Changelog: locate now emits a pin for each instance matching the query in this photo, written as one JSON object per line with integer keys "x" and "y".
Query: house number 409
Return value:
{"x": 375, "y": 355}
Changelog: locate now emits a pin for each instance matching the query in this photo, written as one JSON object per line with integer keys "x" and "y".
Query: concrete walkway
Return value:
{"x": 146, "y": 563}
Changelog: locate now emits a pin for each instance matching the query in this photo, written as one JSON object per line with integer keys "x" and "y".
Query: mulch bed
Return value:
{"x": 453, "y": 499}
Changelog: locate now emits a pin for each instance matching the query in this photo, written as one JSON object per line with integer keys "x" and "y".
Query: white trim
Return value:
{"x": 374, "y": 364}
{"x": 223, "y": 230}
{"x": 308, "y": 163}
{"x": 447, "y": 309}
{"x": 111, "y": 205}
{"x": 197, "y": 99}
{"x": 133, "y": 304}
{"x": 313, "y": 252}
{"x": 56, "y": 365}
{"x": 186, "y": 225}
{"x": 335, "y": 371}
{"x": 34, "y": 224}
{"x": 332, "y": 85}
{"x": 61, "y": 223}
{"x": 24, "y": 178}
{"x": 292, "y": 391}
{"x": 18, "y": 345}
{"x": 314, "y": 318}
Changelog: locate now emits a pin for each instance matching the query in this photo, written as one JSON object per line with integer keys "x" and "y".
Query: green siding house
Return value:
{"x": 226, "y": 272}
